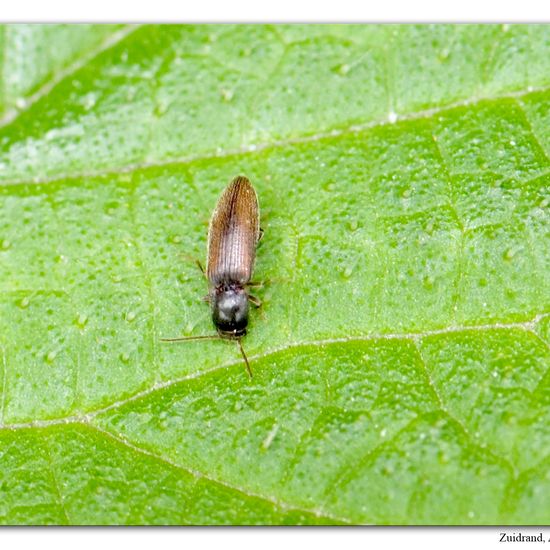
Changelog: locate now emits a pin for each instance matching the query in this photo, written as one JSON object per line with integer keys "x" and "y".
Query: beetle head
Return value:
{"x": 230, "y": 312}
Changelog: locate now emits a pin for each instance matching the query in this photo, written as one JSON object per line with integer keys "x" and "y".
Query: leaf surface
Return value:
{"x": 401, "y": 353}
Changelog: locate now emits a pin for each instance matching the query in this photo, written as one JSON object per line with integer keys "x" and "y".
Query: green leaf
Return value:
{"x": 401, "y": 355}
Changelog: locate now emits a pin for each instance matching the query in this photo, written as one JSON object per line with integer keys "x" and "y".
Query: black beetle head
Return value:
{"x": 230, "y": 312}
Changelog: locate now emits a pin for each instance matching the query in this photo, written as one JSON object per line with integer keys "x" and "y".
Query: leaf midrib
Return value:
{"x": 527, "y": 326}
{"x": 277, "y": 144}
{"x": 12, "y": 113}
{"x": 320, "y": 513}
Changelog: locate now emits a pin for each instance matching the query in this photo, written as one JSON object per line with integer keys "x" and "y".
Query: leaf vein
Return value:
{"x": 275, "y": 144}
{"x": 530, "y": 127}
{"x": 455, "y": 419}
{"x": 55, "y": 481}
{"x": 197, "y": 474}
{"x": 528, "y": 326}
{"x": 108, "y": 42}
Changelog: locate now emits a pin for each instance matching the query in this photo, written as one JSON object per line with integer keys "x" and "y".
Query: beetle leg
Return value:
{"x": 200, "y": 267}
{"x": 261, "y": 234}
{"x": 255, "y": 284}
{"x": 257, "y": 302}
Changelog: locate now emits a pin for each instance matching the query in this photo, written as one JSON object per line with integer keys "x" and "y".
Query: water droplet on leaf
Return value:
{"x": 82, "y": 320}
{"x": 130, "y": 316}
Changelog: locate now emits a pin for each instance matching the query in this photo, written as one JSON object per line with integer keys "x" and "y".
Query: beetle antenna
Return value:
{"x": 182, "y": 338}
{"x": 211, "y": 337}
{"x": 245, "y": 358}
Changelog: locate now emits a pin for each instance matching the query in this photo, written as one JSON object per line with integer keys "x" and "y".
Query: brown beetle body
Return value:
{"x": 233, "y": 235}
{"x": 232, "y": 239}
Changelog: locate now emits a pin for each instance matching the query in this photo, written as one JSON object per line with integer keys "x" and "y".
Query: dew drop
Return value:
{"x": 353, "y": 225}
{"x": 60, "y": 259}
{"x": 175, "y": 239}
{"x": 347, "y": 272}
{"x": 509, "y": 254}
{"x": 130, "y": 316}
{"x": 5, "y": 244}
{"x": 344, "y": 69}
{"x": 89, "y": 101}
{"x": 24, "y": 303}
{"x": 82, "y": 320}
{"x": 429, "y": 281}
{"x": 392, "y": 117}
{"x": 116, "y": 278}
{"x": 20, "y": 102}
{"x": 160, "y": 108}
{"x": 50, "y": 357}
{"x": 124, "y": 357}
{"x": 227, "y": 95}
